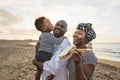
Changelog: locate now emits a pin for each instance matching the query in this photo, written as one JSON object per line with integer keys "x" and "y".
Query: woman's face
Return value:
{"x": 79, "y": 37}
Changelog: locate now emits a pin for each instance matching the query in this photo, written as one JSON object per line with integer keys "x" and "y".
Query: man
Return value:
{"x": 55, "y": 66}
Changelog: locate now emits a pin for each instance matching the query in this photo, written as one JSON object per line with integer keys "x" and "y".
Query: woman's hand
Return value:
{"x": 77, "y": 56}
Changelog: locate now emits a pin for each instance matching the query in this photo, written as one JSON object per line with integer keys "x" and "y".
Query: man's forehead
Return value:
{"x": 61, "y": 22}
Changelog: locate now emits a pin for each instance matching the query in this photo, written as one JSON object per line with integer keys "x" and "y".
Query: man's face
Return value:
{"x": 59, "y": 29}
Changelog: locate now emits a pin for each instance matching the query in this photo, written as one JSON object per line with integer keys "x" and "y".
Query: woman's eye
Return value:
{"x": 80, "y": 33}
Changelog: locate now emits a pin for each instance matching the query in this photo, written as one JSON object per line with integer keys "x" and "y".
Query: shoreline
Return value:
{"x": 109, "y": 62}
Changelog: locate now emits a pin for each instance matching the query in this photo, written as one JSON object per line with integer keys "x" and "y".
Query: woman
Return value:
{"x": 84, "y": 63}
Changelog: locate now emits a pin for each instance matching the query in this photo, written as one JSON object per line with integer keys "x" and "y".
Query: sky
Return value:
{"x": 17, "y": 17}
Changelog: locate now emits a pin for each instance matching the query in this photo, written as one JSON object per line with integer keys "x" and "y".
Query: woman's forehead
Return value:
{"x": 80, "y": 31}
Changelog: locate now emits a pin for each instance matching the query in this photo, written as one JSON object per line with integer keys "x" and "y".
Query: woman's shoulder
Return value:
{"x": 89, "y": 58}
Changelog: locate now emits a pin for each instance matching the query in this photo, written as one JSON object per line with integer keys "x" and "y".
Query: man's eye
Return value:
{"x": 62, "y": 26}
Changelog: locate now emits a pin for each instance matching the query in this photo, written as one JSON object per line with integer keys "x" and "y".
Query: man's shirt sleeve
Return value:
{"x": 54, "y": 65}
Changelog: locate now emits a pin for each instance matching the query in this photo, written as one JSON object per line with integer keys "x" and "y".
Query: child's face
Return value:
{"x": 59, "y": 29}
{"x": 48, "y": 26}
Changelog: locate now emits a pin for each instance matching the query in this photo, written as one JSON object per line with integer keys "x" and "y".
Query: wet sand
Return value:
{"x": 16, "y": 63}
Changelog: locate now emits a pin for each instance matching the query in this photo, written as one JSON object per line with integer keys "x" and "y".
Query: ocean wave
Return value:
{"x": 107, "y": 50}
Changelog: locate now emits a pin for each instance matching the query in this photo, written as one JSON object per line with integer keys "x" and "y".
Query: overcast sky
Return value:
{"x": 17, "y": 17}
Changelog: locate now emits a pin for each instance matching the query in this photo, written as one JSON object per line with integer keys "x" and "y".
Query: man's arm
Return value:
{"x": 37, "y": 46}
{"x": 54, "y": 66}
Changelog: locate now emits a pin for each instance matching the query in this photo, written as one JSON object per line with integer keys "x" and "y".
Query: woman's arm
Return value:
{"x": 88, "y": 70}
{"x": 79, "y": 72}
{"x": 82, "y": 71}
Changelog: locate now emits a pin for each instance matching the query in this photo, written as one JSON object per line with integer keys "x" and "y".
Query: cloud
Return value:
{"x": 12, "y": 33}
{"x": 114, "y": 2}
{"x": 26, "y": 2}
{"x": 1, "y": 31}
{"x": 17, "y": 16}
{"x": 7, "y": 18}
{"x": 23, "y": 31}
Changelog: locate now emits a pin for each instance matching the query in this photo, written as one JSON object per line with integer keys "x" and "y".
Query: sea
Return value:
{"x": 106, "y": 51}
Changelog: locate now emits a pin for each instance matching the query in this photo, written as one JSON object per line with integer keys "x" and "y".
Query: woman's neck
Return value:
{"x": 81, "y": 46}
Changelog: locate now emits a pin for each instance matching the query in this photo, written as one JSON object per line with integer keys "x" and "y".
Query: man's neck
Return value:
{"x": 60, "y": 36}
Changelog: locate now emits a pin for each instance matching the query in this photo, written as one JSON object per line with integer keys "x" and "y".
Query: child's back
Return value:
{"x": 47, "y": 42}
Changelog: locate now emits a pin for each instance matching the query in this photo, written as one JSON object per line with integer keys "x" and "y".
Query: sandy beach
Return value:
{"x": 16, "y": 62}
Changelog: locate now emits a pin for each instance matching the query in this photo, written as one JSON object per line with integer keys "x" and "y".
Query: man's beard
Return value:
{"x": 58, "y": 35}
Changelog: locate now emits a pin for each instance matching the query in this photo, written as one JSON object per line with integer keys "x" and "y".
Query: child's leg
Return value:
{"x": 39, "y": 69}
{"x": 38, "y": 64}
{"x": 50, "y": 77}
{"x": 38, "y": 74}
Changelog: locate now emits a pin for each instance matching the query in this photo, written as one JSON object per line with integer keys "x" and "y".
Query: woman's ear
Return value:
{"x": 86, "y": 41}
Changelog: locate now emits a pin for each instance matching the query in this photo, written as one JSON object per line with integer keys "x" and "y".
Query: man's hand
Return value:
{"x": 37, "y": 46}
{"x": 68, "y": 55}
{"x": 50, "y": 77}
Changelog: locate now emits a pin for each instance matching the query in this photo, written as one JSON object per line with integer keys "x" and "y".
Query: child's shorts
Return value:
{"x": 43, "y": 56}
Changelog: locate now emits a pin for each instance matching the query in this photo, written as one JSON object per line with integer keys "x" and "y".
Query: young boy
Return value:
{"x": 46, "y": 41}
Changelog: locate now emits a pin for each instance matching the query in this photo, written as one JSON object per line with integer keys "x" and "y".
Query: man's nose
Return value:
{"x": 58, "y": 27}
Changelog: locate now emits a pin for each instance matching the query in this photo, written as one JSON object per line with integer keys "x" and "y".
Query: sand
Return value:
{"x": 16, "y": 62}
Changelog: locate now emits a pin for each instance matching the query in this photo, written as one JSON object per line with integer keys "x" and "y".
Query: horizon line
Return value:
{"x": 36, "y": 40}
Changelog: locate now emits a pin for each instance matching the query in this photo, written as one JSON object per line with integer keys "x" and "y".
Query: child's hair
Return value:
{"x": 39, "y": 23}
